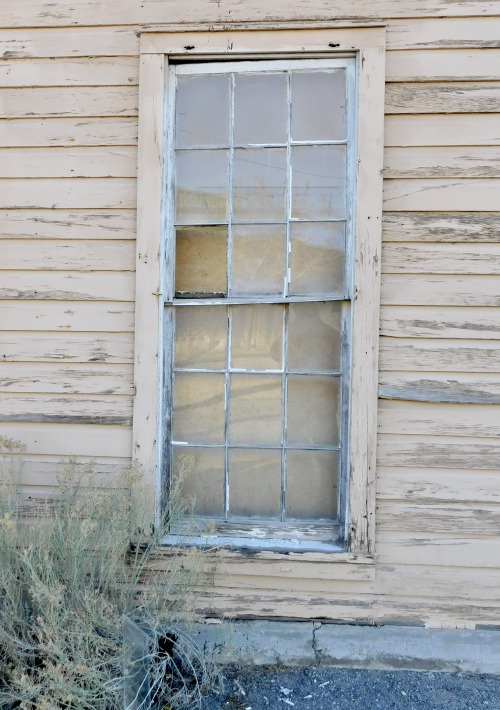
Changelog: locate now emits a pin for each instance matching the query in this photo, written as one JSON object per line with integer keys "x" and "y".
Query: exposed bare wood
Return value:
{"x": 445, "y": 32}
{"x": 90, "y": 71}
{"x": 456, "y": 97}
{"x": 46, "y": 471}
{"x": 441, "y": 130}
{"x": 429, "y": 195}
{"x": 74, "y": 101}
{"x": 444, "y": 65}
{"x": 436, "y": 387}
{"x": 67, "y": 286}
{"x": 441, "y": 258}
{"x": 453, "y": 519}
{"x": 402, "y": 417}
{"x": 20, "y": 132}
{"x": 95, "y": 193}
{"x": 435, "y": 550}
{"x": 67, "y": 224}
{"x": 437, "y": 452}
{"x": 441, "y": 227}
{"x": 76, "y": 255}
{"x": 448, "y": 290}
{"x": 427, "y": 322}
{"x": 74, "y": 316}
{"x": 66, "y": 347}
{"x": 434, "y": 485}
{"x": 93, "y": 378}
{"x": 73, "y": 42}
{"x": 68, "y": 162}
{"x": 442, "y": 162}
{"x": 422, "y": 354}
{"x": 66, "y": 410}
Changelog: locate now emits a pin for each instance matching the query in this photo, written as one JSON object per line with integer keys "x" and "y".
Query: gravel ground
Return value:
{"x": 353, "y": 689}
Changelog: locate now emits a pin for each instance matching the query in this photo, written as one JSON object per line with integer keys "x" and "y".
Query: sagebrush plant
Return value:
{"x": 68, "y": 575}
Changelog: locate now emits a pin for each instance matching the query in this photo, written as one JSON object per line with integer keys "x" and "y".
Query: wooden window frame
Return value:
{"x": 368, "y": 46}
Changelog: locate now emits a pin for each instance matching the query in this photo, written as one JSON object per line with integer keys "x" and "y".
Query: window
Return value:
{"x": 258, "y": 198}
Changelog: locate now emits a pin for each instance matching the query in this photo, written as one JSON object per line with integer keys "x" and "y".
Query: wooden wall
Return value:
{"x": 69, "y": 95}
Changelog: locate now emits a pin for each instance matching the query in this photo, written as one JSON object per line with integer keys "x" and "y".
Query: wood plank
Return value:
{"x": 77, "y": 255}
{"x": 442, "y": 162}
{"x": 72, "y": 439}
{"x": 64, "y": 378}
{"x": 89, "y": 71}
{"x": 74, "y": 316}
{"x": 64, "y": 286}
{"x": 450, "y": 519}
{"x": 402, "y": 417}
{"x": 439, "y": 355}
{"x": 444, "y": 65}
{"x": 441, "y": 130}
{"x": 448, "y": 290}
{"x": 426, "y": 322}
{"x": 66, "y": 410}
{"x": 461, "y": 388}
{"x": 429, "y": 195}
{"x": 68, "y": 162}
{"x": 68, "y": 193}
{"x": 73, "y": 42}
{"x": 46, "y": 471}
{"x": 63, "y": 101}
{"x": 444, "y": 33}
{"x": 456, "y": 259}
{"x": 455, "y": 97}
{"x": 67, "y": 224}
{"x": 437, "y": 452}
{"x": 26, "y": 132}
{"x": 435, "y": 550}
{"x": 441, "y": 227}
{"x": 66, "y": 347}
{"x": 437, "y": 485}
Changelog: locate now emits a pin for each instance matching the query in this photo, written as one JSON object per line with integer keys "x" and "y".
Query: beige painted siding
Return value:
{"x": 68, "y": 154}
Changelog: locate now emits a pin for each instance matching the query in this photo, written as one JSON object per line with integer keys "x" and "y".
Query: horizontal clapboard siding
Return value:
{"x": 478, "y": 162}
{"x": 89, "y": 71}
{"x": 68, "y": 224}
{"x": 441, "y": 227}
{"x": 449, "y": 290}
{"x": 76, "y": 255}
{"x": 424, "y": 354}
{"x": 68, "y": 286}
{"x": 59, "y": 101}
{"x": 107, "y": 131}
{"x": 68, "y": 162}
{"x": 442, "y": 97}
{"x": 87, "y": 347}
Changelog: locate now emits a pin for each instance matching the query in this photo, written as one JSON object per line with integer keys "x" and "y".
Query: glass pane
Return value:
{"x": 199, "y": 473}
{"x": 201, "y": 260}
{"x": 201, "y": 337}
{"x": 318, "y": 106}
{"x": 317, "y": 255}
{"x": 198, "y": 412}
{"x": 258, "y": 259}
{"x": 318, "y": 181}
{"x": 255, "y": 483}
{"x": 259, "y": 184}
{"x": 202, "y": 111}
{"x": 255, "y": 409}
{"x": 202, "y": 180}
{"x": 260, "y": 108}
{"x": 311, "y": 484}
{"x": 314, "y": 336}
{"x": 313, "y": 410}
{"x": 257, "y": 332}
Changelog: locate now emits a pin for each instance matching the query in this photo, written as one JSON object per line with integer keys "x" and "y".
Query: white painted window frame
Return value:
{"x": 368, "y": 46}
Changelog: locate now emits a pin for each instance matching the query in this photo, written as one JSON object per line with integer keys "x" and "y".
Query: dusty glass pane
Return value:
{"x": 198, "y": 411}
{"x": 201, "y": 337}
{"x": 201, "y": 260}
{"x": 202, "y": 181}
{"x": 258, "y": 259}
{"x": 318, "y": 181}
{"x": 318, "y": 105}
{"x": 199, "y": 473}
{"x": 202, "y": 111}
{"x": 255, "y": 409}
{"x": 260, "y": 108}
{"x": 311, "y": 484}
{"x": 257, "y": 334}
{"x": 317, "y": 256}
{"x": 259, "y": 184}
{"x": 254, "y": 483}
{"x": 314, "y": 336}
{"x": 313, "y": 410}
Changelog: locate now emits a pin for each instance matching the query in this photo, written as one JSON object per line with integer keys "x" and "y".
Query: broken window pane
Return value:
{"x": 199, "y": 474}
{"x": 198, "y": 410}
{"x": 202, "y": 111}
{"x": 201, "y": 261}
{"x": 319, "y": 105}
{"x": 259, "y": 185}
{"x": 257, "y": 334}
{"x": 313, "y": 410}
{"x": 311, "y": 484}
{"x": 317, "y": 254}
{"x": 201, "y": 337}
{"x": 258, "y": 259}
{"x": 260, "y": 108}
{"x": 202, "y": 183}
{"x": 255, "y": 483}
{"x": 314, "y": 336}
{"x": 255, "y": 409}
{"x": 318, "y": 181}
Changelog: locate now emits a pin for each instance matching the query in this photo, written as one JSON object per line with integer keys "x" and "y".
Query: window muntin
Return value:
{"x": 261, "y": 225}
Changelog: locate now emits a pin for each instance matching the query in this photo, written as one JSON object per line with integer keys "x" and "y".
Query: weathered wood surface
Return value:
{"x": 67, "y": 286}
{"x": 442, "y": 162}
{"x": 441, "y": 227}
{"x": 455, "y": 97}
{"x": 62, "y": 101}
{"x": 66, "y": 410}
{"x": 437, "y": 452}
{"x": 403, "y": 417}
{"x": 116, "y": 162}
{"x": 443, "y": 65}
{"x": 25, "y": 132}
{"x": 76, "y": 255}
{"x": 441, "y": 258}
{"x": 67, "y": 224}
{"x": 435, "y": 485}
{"x": 428, "y": 355}
{"x": 451, "y": 519}
{"x": 445, "y": 32}
{"x": 441, "y": 130}
{"x": 435, "y": 550}
{"x": 448, "y": 290}
{"x": 68, "y": 193}
{"x": 460, "y": 388}
{"x": 46, "y": 471}
{"x": 73, "y": 316}
{"x": 93, "y": 378}
{"x": 434, "y": 194}
{"x": 85, "y": 347}
{"x": 88, "y": 71}
{"x": 427, "y": 322}
{"x": 73, "y": 42}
